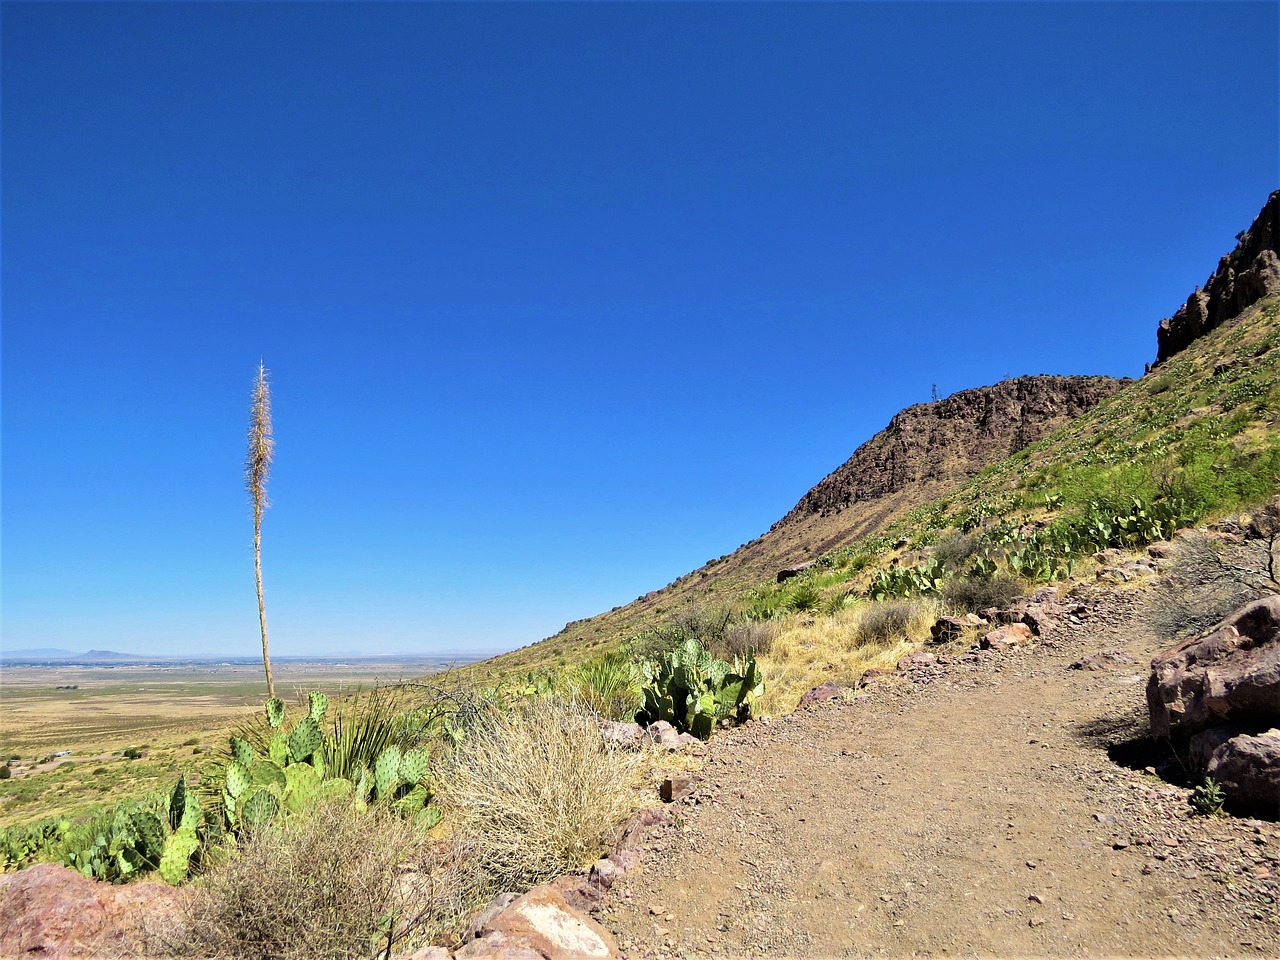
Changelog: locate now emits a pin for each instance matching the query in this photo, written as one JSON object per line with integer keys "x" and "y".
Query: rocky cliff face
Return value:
{"x": 1244, "y": 276}
{"x": 953, "y": 438}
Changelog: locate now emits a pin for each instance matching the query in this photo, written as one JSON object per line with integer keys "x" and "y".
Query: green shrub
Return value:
{"x": 609, "y": 684}
{"x": 1208, "y": 798}
{"x": 131, "y": 753}
{"x": 5, "y": 772}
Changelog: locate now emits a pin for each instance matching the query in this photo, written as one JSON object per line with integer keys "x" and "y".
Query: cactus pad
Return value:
{"x": 259, "y": 809}
{"x": 413, "y": 766}
{"x": 275, "y": 711}
{"x": 265, "y": 773}
{"x": 427, "y": 818}
{"x": 238, "y": 779}
{"x": 278, "y": 750}
{"x": 241, "y": 750}
{"x": 304, "y": 740}
{"x": 336, "y": 789}
{"x": 175, "y": 861}
{"x": 302, "y": 786}
{"x": 318, "y": 704}
{"x": 386, "y": 771}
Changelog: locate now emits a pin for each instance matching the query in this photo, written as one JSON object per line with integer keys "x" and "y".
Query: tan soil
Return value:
{"x": 994, "y": 807}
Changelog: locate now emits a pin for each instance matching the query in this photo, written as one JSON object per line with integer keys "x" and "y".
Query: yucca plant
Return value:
{"x": 257, "y": 468}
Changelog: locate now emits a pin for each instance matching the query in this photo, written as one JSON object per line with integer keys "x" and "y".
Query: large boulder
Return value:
{"x": 51, "y": 911}
{"x": 541, "y": 921}
{"x": 1230, "y": 674}
{"x": 1248, "y": 770}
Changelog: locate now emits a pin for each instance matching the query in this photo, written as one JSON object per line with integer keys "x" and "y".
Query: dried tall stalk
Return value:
{"x": 256, "y": 470}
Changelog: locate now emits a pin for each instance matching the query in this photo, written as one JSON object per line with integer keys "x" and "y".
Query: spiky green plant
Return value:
{"x": 257, "y": 469}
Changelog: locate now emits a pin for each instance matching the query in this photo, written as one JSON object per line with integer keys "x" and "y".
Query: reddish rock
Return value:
{"x": 1007, "y": 637}
{"x": 918, "y": 660}
{"x": 51, "y": 911}
{"x": 498, "y": 946}
{"x": 822, "y": 693}
{"x": 666, "y": 737}
{"x": 623, "y": 734}
{"x": 870, "y": 676}
{"x": 542, "y": 921}
{"x": 1229, "y": 674}
{"x": 1248, "y": 770}
{"x": 675, "y": 787}
{"x": 947, "y": 629}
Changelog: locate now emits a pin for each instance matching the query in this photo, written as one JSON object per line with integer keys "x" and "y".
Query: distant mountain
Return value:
{"x": 90, "y": 656}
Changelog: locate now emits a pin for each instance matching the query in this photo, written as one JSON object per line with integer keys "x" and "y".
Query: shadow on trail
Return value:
{"x": 1127, "y": 740}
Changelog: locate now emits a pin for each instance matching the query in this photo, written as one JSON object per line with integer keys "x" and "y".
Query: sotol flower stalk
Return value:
{"x": 257, "y": 469}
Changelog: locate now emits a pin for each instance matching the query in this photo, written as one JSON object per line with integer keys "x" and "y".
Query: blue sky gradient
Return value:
{"x": 559, "y": 300}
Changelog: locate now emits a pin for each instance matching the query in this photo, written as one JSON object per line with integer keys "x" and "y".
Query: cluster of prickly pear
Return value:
{"x": 183, "y": 840}
{"x": 693, "y": 691}
{"x": 289, "y": 778}
{"x": 292, "y": 775}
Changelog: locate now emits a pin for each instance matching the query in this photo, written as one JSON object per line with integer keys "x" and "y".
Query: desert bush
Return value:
{"x": 5, "y": 772}
{"x": 886, "y": 620}
{"x": 802, "y": 597}
{"x": 954, "y": 551}
{"x": 747, "y": 638}
{"x": 534, "y": 790}
{"x": 1211, "y": 579}
{"x": 331, "y": 882}
{"x": 978, "y": 593}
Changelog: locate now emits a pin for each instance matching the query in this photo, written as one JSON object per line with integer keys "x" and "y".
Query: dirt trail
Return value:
{"x": 990, "y": 808}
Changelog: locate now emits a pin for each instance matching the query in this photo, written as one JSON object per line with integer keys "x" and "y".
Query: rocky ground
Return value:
{"x": 1003, "y": 804}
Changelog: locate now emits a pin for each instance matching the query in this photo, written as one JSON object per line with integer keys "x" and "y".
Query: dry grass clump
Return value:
{"x": 534, "y": 790}
{"x": 874, "y": 635}
{"x": 747, "y": 637}
{"x": 326, "y": 884}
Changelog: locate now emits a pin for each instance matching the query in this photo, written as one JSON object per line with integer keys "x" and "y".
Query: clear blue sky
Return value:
{"x": 559, "y": 300}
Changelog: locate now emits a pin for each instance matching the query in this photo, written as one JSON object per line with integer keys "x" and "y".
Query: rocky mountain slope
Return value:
{"x": 989, "y": 442}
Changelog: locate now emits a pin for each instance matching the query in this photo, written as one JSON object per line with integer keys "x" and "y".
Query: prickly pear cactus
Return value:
{"x": 318, "y": 704}
{"x": 337, "y": 789}
{"x": 278, "y": 750}
{"x": 175, "y": 861}
{"x": 413, "y": 766}
{"x": 275, "y": 711}
{"x": 386, "y": 772}
{"x": 259, "y": 808}
{"x": 427, "y": 818}
{"x": 302, "y": 786}
{"x": 184, "y": 807}
{"x": 241, "y": 750}
{"x": 238, "y": 778}
{"x": 265, "y": 773}
{"x": 304, "y": 740}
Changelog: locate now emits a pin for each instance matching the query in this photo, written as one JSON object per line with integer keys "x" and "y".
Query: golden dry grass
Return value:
{"x": 811, "y": 650}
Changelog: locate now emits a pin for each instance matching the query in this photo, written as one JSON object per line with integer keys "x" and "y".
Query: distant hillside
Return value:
{"x": 1202, "y": 421}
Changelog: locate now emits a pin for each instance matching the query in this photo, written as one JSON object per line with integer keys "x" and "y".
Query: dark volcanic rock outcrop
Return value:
{"x": 953, "y": 438}
{"x": 1244, "y": 276}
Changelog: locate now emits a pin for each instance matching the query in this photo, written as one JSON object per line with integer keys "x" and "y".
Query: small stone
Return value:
{"x": 1120, "y": 845}
{"x": 1036, "y": 898}
{"x": 1031, "y": 864}
{"x": 1036, "y": 922}
{"x": 656, "y": 910}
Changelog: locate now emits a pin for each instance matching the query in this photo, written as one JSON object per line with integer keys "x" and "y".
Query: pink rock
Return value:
{"x": 1007, "y": 637}
{"x": 51, "y": 911}
{"x": 498, "y": 946}
{"x": 547, "y": 925}
{"x": 821, "y": 693}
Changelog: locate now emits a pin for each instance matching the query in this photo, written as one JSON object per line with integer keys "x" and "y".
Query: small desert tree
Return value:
{"x": 256, "y": 470}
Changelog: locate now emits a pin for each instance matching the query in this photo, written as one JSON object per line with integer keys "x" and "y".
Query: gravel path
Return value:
{"x": 985, "y": 807}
